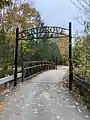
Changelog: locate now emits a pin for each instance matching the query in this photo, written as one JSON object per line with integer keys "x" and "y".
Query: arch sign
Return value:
{"x": 42, "y": 33}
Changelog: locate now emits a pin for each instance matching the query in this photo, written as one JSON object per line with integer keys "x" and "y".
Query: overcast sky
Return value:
{"x": 58, "y": 12}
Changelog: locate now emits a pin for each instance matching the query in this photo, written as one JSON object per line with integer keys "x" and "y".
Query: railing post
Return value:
{"x": 22, "y": 71}
{"x": 56, "y": 62}
{"x": 22, "y": 64}
{"x": 70, "y": 57}
{"x": 16, "y": 57}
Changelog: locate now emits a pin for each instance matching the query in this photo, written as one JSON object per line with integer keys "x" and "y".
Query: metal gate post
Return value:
{"x": 70, "y": 57}
{"x": 16, "y": 57}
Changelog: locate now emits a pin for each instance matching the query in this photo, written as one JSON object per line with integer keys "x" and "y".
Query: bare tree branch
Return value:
{"x": 80, "y": 20}
{"x": 82, "y": 5}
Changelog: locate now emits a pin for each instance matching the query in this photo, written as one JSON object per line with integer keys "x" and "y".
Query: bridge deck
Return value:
{"x": 42, "y": 98}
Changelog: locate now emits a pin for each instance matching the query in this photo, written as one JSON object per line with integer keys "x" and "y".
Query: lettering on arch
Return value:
{"x": 42, "y": 32}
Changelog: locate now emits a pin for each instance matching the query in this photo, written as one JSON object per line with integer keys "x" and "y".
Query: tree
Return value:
{"x": 84, "y": 7}
{"x": 4, "y": 3}
{"x": 38, "y": 19}
{"x": 81, "y": 50}
{"x": 6, "y": 54}
{"x": 22, "y": 16}
{"x": 47, "y": 50}
{"x": 64, "y": 49}
{"x": 44, "y": 49}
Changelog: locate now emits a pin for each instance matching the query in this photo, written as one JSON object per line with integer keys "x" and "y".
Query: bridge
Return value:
{"x": 43, "y": 90}
{"x": 44, "y": 97}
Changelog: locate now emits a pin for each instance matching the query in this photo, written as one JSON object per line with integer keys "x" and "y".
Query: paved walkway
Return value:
{"x": 42, "y": 98}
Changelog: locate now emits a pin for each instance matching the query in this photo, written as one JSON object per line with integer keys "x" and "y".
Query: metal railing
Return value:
{"x": 32, "y": 68}
{"x": 9, "y": 78}
{"x": 81, "y": 82}
{"x": 29, "y": 70}
{"x": 82, "y": 89}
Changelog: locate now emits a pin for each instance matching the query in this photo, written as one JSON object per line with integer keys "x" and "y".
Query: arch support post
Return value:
{"x": 70, "y": 57}
{"x": 16, "y": 56}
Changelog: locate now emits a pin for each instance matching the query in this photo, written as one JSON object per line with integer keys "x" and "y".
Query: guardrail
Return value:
{"x": 33, "y": 68}
{"x": 7, "y": 82}
{"x": 9, "y": 78}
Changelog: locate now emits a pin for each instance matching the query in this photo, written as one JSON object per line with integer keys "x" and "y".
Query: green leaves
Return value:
{"x": 41, "y": 50}
{"x": 80, "y": 52}
{"x": 87, "y": 27}
{"x": 24, "y": 16}
{"x": 6, "y": 54}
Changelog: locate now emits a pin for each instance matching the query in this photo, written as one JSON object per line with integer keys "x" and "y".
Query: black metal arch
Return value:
{"x": 37, "y": 32}
{"x": 49, "y": 32}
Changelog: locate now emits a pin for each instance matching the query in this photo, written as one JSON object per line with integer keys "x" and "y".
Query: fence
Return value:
{"x": 82, "y": 88}
{"x": 35, "y": 67}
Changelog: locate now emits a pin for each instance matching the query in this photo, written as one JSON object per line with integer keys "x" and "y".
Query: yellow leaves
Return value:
{"x": 27, "y": 10}
{"x": 26, "y": 46}
{"x": 22, "y": 16}
{"x": 63, "y": 46}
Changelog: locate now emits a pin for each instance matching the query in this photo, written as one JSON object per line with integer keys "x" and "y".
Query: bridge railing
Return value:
{"x": 82, "y": 88}
{"x": 81, "y": 82}
{"x": 32, "y": 68}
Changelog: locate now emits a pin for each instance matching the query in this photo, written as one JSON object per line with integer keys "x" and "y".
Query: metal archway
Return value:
{"x": 50, "y": 32}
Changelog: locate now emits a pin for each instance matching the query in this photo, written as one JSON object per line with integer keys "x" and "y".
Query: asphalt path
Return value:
{"x": 44, "y": 98}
